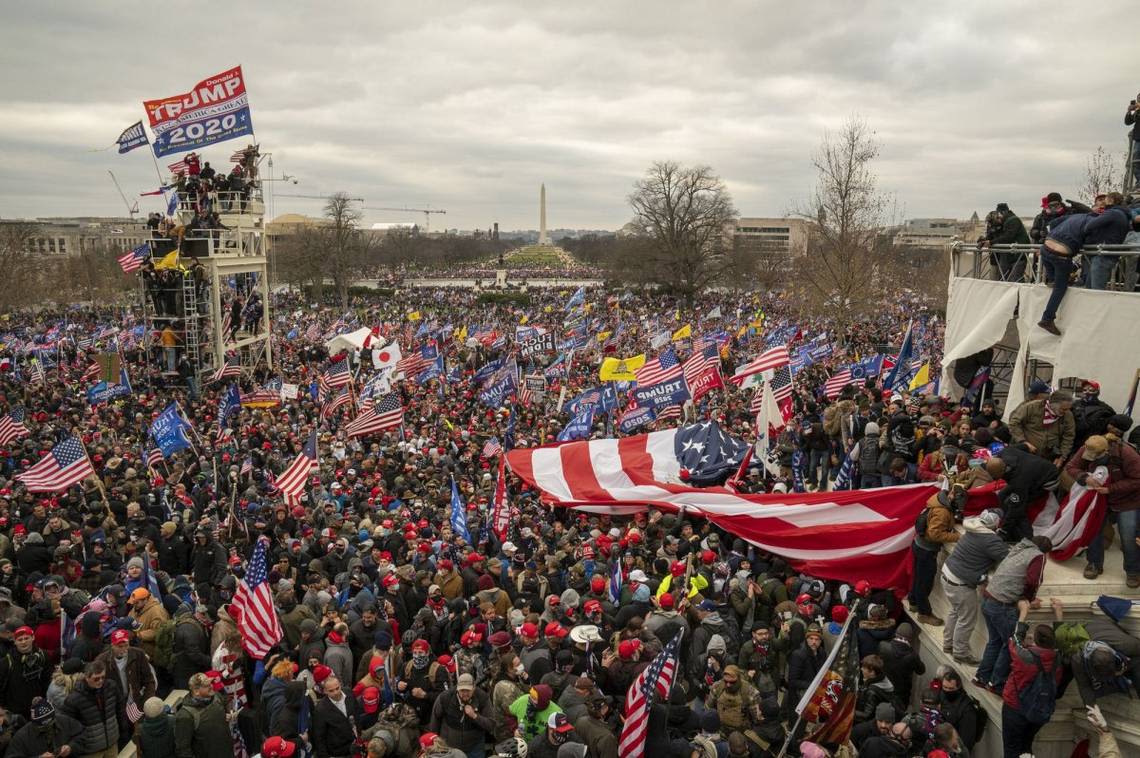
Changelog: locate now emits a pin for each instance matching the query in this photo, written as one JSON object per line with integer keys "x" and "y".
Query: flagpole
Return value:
{"x": 98, "y": 481}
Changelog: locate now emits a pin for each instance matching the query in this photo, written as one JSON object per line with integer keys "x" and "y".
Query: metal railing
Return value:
{"x": 247, "y": 201}
{"x": 972, "y": 262}
{"x": 1130, "y": 167}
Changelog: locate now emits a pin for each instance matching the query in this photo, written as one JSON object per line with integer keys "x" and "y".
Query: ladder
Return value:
{"x": 193, "y": 327}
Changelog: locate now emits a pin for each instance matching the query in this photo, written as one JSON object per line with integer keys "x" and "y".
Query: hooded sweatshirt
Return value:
{"x": 975, "y": 554}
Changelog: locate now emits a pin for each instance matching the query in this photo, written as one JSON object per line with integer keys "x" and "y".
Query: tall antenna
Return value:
{"x": 131, "y": 209}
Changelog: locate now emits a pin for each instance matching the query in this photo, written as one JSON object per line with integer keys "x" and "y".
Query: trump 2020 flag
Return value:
{"x": 458, "y": 514}
{"x": 133, "y": 136}
{"x": 169, "y": 431}
{"x": 579, "y": 426}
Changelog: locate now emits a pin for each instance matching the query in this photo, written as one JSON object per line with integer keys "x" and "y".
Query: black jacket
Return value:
{"x": 803, "y": 665}
{"x": 190, "y": 650}
{"x": 33, "y": 740}
{"x": 901, "y": 663}
{"x": 334, "y": 733}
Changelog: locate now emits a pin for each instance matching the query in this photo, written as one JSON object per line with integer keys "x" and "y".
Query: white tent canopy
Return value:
{"x": 348, "y": 341}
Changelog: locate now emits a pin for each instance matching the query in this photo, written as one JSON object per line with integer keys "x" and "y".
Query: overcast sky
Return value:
{"x": 469, "y": 106}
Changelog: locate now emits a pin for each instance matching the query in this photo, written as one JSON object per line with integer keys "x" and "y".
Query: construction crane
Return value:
{"x": 426, "y": 211}
{"x": 317, "y": 197}
{"x": 131, "y": 209}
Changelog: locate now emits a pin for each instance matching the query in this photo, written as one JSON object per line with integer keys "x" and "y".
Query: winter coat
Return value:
{"x": 449, "y": 720}
{"x": 1012, "y": 231}
{"x": 23, "y": 678}
{"x": 871, "y": 694}
{"x": 154, "y": 738}
{"x": 201, "y": 729}
{"x": 333, "y": 732}
{"x": 291, "y": 623}
{"x": 712, "y": 624}
{"x": 150, "y": 618}
{"x": 33, "y": 740}
{"x": 1027, "y": 424}
{"x": 339, "y": 658}
{"x": 975, "y": 555}
{"x": 141, "y": 683}
{"x": 939, "y": 526}
{"x": 1123, "y": 474}
{"x": 1104, "y": 629}
{"x": 803, "y": 665}
{"x": 98, "y": 712}
{"x": 901, "y": 664}
{"x": 600, "y": 737}
{"x": 1023, "y": 666}
{"x": 190, "y": 650}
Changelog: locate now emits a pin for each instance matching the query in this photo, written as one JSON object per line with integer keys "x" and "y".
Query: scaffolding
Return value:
{"x": 217, "y": 266}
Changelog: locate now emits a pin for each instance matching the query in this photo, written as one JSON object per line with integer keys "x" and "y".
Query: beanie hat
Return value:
{"x": 42, "y": 710}
{"x": 710, "y": 722}
{"x": 153, "y": 707}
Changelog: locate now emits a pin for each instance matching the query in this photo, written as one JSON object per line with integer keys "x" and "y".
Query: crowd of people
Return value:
{"x": 401, "y": 638}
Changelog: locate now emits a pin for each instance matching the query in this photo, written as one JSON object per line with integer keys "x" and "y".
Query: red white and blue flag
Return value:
{"x": 665, "y": 367}
{"x": 12, "y": 425}
{"x": 66, "y": 465}
{"x": 255, "y": 616}
{"x": 658, "y": 675}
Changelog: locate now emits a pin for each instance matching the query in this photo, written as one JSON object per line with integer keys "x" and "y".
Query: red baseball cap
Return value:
{"x": 120, "y": 636}
{"x": 278, "y": 747}
{"x": 554, "y": 629}
{"x": 529, "y": 630}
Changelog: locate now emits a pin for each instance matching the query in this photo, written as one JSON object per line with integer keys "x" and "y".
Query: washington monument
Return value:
{"x": 543, "y": 237}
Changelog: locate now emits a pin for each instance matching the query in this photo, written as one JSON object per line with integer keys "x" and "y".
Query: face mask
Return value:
{"x": 558, "y": 737}
{"x": 951, "y": 696}
{"x": 395, "y": 587}
{"x": 420, "y": 659}
{"x": 734, "y": 687}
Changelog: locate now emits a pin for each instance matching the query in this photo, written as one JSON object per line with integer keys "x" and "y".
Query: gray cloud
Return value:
{"x": 470, "y": 107}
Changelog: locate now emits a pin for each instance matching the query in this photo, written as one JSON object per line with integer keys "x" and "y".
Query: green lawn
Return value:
{"x": 536, "y": 256}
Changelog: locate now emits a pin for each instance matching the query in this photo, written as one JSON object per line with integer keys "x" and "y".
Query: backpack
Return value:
{"x": 164, "y": 644}
{"x": 1038, "y": 699}
{"x": 981, "y": 718}
{"x": 921, "y": 523}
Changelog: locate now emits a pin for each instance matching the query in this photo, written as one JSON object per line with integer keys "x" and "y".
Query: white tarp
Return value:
{"x": 348, "y": 341}
{"x": 1099, "y": 339}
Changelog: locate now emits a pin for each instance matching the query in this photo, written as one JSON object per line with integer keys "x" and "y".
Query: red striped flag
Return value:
{"x": 12, "y": 425}
{"x": 67, "y": 464}
{"x": 293, "y": 479}
{"x": 178, "y": 167}
{"x": 500, "y": 510}
{"x": 492, "y": 447}
{"x": 772, "y": 358}
{"x": 665, "y": 367}
{"x": 837, "y": 382}
{"x": 92, "y": 372}
{"x": 132, "y": 260}
{"x": 154, "y": 457}
{"x": 377, "y": 416}
{"x": 668, "y": 412}
{"x": 339, "y": 400}
{"x": 132, "y": 710}
{"x": 226, "y": 370}
{"x": 659, "y": 675}
{"x": 253, "y": 609}
{"x": 831, "y": 535}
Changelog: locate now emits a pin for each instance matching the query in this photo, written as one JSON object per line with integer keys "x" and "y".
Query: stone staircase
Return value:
{"x": 1069, "y": 725}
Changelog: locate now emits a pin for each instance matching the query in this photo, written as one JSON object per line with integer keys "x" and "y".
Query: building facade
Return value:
{"x": 773, "y": 242}
{"x": 75, "y": 236}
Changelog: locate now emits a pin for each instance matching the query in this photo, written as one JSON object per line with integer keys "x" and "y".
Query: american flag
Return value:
{"x": 668, "y": 412}
{"x": 12, "y": 425}
{"x": 658, "y": 676}
{"x": 313, "y": 333}
{"x": 412, "y": 364}
{"x": 153, "y": 457}
{"x": 335, "y": 376}
{"x": 255, "y": 615}
{"x": 772, "y": 358}
{"x": 224, "y": 371}
{"x": 339, "y": 400}
{"x": 837, "y": 382}
{"x": 500, "y": 519}
{"x": 132, "y": 711}
{"x": 699, "y": 361}
{"x": 85, "y": 343}
{"x": 293, "y": 479}
{"x": 38, "y": 374}
{"x": 782, "y": 385}
{"x": 67, "y": 464}
{"x": 246, "y": 466}
{"x": 133, "y": 260}
{"x": 526, "y": 397}
{"x": 178, "y": 167}
{"x": 377, "y": 416}
{"x": 492, "y": 447}
{"x": 665, "y": 367}
{"x": 615, "y": 582}
{"x": 227, "y": 322}
{"x": 92, "y": 372}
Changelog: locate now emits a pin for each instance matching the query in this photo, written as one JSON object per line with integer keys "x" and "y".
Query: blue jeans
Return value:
{"x": 1126, "y": 528}
{"x": 479, "y": 751}
{"x": 1101, "y": 267}
{"x": 1001, "y": 621}
{"x": 1058, "y": 268}
{"x": 821, "y": 460}
{"x": 171, "y": 354}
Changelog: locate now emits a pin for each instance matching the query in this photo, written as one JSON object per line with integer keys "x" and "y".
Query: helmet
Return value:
{"x": 512, "y": 747}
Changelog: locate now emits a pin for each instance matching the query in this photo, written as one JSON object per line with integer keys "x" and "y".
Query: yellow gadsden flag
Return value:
{"x": 603, "y": 336}
{"x": 922, "y": 378}
{"x": 620, "y": 369}
{"x": 170, "y": 260}
{"x": 415, "y": 316}
{"x": 684, "y": 333}
{"x": 523, "y": 321}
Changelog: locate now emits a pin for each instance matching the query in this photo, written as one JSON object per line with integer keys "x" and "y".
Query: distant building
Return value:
{"x": 773, "y": 241}
{"x": 938, "y": 232}
{"x": 75, "y": 236}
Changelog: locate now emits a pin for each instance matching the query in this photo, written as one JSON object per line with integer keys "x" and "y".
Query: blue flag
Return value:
{"x": 576, "y": 299}
{"x": 229, "y": 403}
{"x": 707, "y": 453}
{"x": 458, "y": 514}
{"x": 902, "y": 362}
{"x": 615, "y": 582}
{"x": 169, "y": 431}
{"x": 172, "y": 205}
{"x": 103, "y": 392}
{"x": 579, "y": 426}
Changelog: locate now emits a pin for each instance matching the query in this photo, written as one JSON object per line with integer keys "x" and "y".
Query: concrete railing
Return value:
{"x": 171, "y": 700}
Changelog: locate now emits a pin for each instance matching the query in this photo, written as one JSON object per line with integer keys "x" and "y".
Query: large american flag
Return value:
{"x": 492, "y": 447}
{"x": 12, "y": 425}
{"x": 837, "y": 382}
{"x": 772, "y": 358}
{"x": 226, "y": 370}
{"x": 412, "y": 364}
{"x": 293, "y": 479}
{"x": 338, "y": 400}
{"x": 658, "y": 676}
{"x": 832, "y": 535}
{"x": 256, "y": 617}
{"x": 132, "y": 260}
{"x": 335, "y": 376}
{"x": 699, "y": 362}
{"x": 67, "y": 464}
{"x": 178, "y": 167}
{"x": 782, "y": 388}
{"x": 665, "y": 367}
{"x": 377, "y": 416}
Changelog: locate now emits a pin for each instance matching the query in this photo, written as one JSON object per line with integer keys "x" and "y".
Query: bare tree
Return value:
{"x": 1101, "y": 175}
{"x": 844, "y": 268}
{"x": 682, "y": 212}
{"x": 299, "y": 259}
{"x": 21, "y": 275}
{"x": 346, "y": 247}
